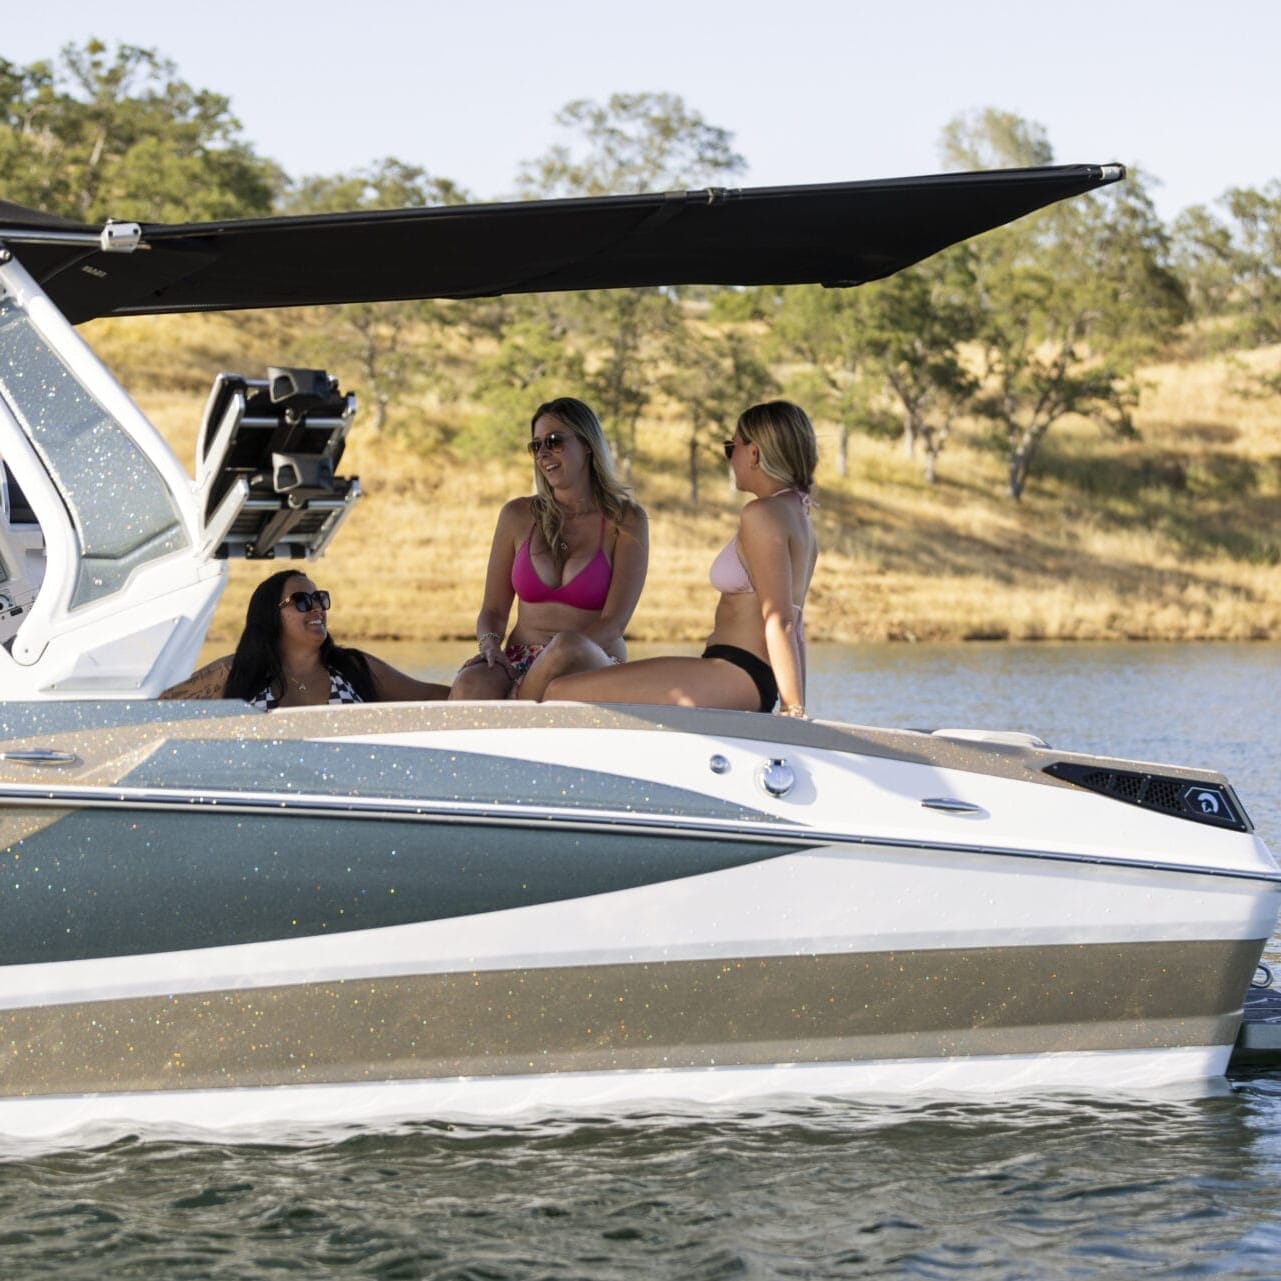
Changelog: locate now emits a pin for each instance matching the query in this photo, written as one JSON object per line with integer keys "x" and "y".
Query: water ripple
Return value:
{"x": 1042, "y": 1188}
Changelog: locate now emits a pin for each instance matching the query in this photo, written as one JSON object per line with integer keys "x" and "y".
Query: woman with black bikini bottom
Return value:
{"x": 755, "y": 655}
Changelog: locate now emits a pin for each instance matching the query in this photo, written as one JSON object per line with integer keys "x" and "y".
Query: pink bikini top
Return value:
{"x": 729, "y": 574}
{"x": 588, "y": 588}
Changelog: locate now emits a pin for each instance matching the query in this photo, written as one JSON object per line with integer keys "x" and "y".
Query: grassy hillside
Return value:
{"x": 1176, "y": 535}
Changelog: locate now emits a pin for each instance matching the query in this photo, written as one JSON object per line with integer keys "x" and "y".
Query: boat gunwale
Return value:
{"x": 551, "y": 818}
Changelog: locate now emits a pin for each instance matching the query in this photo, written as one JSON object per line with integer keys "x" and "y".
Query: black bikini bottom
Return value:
{"x": 762, "y": 674}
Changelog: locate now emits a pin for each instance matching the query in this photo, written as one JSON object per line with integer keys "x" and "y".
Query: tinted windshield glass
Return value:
{"x": 120, "y": 506}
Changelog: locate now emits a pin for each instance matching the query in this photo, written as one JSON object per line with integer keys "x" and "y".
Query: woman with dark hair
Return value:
{"x": 755, "y": 656}
{"x": 572, "y": 556}
{"x": 287, "y": 658}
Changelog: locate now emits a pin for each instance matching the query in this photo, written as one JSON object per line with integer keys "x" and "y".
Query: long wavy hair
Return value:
{"x": 610, "y": 494}
{"x": 784, "y": 434}
{"x": 256, "y": 664}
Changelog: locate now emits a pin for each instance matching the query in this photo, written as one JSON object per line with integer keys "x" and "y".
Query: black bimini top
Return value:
{"x": 833, "y": 234}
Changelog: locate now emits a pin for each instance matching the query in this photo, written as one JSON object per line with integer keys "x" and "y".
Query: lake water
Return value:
{"x": 1062, "y": 1187}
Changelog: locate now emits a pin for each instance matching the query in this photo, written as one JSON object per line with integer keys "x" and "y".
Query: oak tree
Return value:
{"x": 112, "y": 132}
{"x": 631, "y": 143}
{"x": 1071, "y": 299}
{"x": 392, "y": 344}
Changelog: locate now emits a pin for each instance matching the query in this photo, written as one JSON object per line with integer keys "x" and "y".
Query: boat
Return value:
{"x": 217, "y": 917}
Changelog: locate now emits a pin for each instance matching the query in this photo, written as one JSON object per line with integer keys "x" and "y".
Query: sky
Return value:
{"x": 811, "y": 90}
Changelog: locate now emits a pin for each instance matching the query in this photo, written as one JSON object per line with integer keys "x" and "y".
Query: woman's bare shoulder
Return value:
{"x": 208, "y": 682}
{"x": 633, "y": 521}
{"x": 514, "y": 520}
{"x": 517, "y": 509}
{"x": 763, "y": 515}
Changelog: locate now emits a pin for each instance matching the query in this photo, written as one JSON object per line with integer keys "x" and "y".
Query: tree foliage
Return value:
{"x": 713, "y": 374}
{"x": 1231, "y": 258}
{"x": 916, "y": 325}
{"x": 891, "y": 348}
{"x": 112, "y": 132}
{"x": 533, "y": 361}
{"x": 1026, "y": 325}
{"x": 634, "y": 142}
{"x": 1071, "y": 298}
{"x": 823, "y": 331}
{"x": 391, "y": 343}
{"x": 993, "y": 139}
{"x": 631, "y": 143}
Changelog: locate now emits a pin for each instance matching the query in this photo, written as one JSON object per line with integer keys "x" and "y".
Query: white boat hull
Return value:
{"x": 456, "y": 927}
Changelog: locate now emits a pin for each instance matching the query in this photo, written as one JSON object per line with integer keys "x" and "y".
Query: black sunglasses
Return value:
{"x": 553, "y": 441}
{"x": 729, "y": 446}
{"x": 303, "y": 602}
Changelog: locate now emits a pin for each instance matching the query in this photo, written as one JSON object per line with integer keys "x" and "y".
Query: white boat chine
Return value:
{"x": 475, "y": 909}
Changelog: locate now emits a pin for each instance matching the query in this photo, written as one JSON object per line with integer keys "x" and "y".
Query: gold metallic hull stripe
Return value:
{"x": 681, "y": 1014}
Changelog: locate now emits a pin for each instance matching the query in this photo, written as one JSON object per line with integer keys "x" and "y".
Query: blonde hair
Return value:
{"x": 784, "y": 434}
{"x": 610, "y": 494}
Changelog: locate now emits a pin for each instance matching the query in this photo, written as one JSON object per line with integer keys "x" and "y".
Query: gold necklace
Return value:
{"x": 566, "y": 515}
{"x": 293, "y": 680}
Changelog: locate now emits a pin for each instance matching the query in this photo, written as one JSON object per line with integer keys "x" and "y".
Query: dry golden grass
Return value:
{"x": 1175, "y": 535}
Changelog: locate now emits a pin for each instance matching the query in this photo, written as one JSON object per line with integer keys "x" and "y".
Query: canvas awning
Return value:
{"x": 834, "y": 234}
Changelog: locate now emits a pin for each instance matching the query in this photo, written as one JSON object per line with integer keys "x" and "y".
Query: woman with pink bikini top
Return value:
{"x": 587, "y": 589}
{"x": 572, "y": 558}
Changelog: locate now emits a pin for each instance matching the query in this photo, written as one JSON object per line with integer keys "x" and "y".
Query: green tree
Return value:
{"x": 625, "y": 329}
{"x": 1071, "y": 299}
{"x": 388, "y": 342}
{"x": 824, "y": 330}
{"x": 915, "y": 325}
{"x": 107, "y": 132}
{"x": 1232, "y": 262}
{"x": 1202, "y": 253}
{"x": 532, "y": 362}
{"x": 714, "y": 374}
{"x": 1069, "y": 314}
{"x": 993, "y": 139}
{"x": 32, "y": 171}
{"x": 632, "y": 143}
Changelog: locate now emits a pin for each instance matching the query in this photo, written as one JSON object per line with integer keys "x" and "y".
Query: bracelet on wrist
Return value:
{"x": 484, "y": 636}
{"x": 793, "y": 709}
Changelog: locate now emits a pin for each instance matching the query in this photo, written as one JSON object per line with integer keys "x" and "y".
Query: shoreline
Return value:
{"x": 1166, "y": 536}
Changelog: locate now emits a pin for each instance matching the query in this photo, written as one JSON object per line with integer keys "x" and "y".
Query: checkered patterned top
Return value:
{"x": 340, "y": 691}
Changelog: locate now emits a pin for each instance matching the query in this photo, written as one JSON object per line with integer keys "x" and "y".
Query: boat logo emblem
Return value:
{"x": 1209, "y": 803}
{"x": 1206, "y": 802}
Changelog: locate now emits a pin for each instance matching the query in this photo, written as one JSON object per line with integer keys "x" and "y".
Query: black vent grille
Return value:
{"x": 1164, "y": 794}
{"x": 1211, "y": 803}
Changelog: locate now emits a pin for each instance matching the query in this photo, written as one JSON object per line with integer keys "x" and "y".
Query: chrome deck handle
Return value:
{"x": 40, "y": 756}
{"x": 950, "y": 805}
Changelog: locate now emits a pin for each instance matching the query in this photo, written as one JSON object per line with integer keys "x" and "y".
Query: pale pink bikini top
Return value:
{"x": 588, "y": 589}
{"x": 729, "y": 575}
